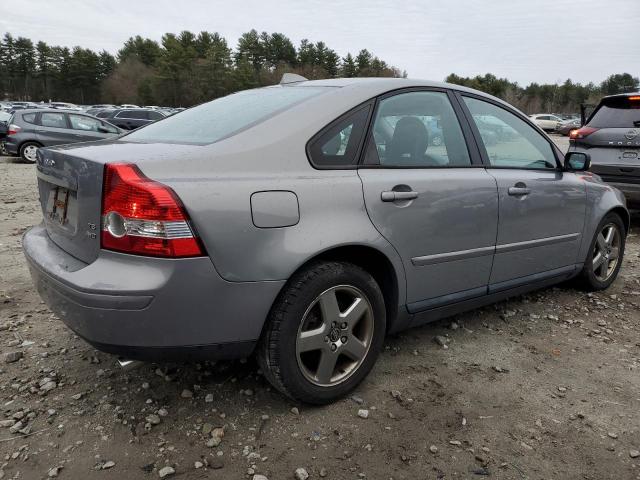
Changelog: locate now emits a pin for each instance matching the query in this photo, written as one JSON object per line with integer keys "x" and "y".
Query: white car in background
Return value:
{"x": 546, "y": 121}
{"x": 65, "y": 106}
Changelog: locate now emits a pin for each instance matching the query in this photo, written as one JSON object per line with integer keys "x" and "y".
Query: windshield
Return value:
{"x": 617, "y": 112}
{"x": 223, "y": 117}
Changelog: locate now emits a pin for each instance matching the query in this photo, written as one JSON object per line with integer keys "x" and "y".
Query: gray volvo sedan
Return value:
{"x": 303, "y": 222}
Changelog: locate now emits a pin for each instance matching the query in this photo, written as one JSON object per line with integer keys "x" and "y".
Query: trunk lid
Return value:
{"x": 625, "y": 138}
{"x": 70, "y": 191}
{"x": 70, "y": 179}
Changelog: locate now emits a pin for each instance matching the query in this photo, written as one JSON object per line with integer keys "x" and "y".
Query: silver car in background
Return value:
{"x": 303, "y": 222}
{"x": 28, "y": 130}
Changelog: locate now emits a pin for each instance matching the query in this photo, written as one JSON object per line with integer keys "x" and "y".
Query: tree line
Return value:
{"x": 544, "y": 98}
{"x": 187, "y": 69}
{"x": 180, "y": 70}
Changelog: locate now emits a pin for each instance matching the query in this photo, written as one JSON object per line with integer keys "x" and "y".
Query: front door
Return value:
{"x": 426, "y": 197}
{"x": 87, "y": 129}
{"x": 542, "y": 208}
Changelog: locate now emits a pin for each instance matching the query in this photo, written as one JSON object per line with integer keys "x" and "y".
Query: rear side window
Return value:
{"x": 415, "y": 130}
{"x": 54, "y": 120}
{"x": 29, "y": 118}
{"x": 337, "y": 145}
{"x": 617, "y": 112}
{"x": 224, "y": 117}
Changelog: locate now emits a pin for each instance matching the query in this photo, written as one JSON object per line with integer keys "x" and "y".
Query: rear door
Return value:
{"x": 542, "y": 208}
{"x": 435, "y": 203}
{"x": 54, "y": 129}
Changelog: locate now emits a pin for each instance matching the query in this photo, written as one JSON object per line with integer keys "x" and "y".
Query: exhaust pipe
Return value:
{"x": 127, "y": 364}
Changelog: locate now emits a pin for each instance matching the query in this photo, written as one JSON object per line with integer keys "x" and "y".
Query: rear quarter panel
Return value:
{"x": 215, "y": 182}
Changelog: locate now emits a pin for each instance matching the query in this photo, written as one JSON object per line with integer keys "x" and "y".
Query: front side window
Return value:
{"x": 108, "y": 127}
{"x": 225, "y": 116}
{"x": 87, "y": 124}
{"x": 417, "y": 129}
{"x": 54, "y": 120}
{"x": 338, "y": 145}
{"x": 508, "y": 140}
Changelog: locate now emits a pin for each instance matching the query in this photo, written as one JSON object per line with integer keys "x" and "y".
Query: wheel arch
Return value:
{"x": 379, "y": 266}
{"x": 624, "y": 215}
{"x": 29, "y": 141}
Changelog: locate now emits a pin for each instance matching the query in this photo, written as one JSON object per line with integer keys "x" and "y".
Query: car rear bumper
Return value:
{"x": 149, "y": 308}
{"x": 10, "y": 146}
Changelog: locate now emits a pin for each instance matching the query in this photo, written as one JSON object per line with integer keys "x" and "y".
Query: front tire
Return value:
{"x": 324, "y": 332}
{"x": 605, "y": 255}
{"x": 29, "y": 151}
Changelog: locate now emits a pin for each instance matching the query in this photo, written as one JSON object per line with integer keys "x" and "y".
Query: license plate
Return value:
{"x": 59, "y": 206}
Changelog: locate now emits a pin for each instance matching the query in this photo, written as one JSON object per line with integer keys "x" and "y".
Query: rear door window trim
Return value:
{"x": 474, "y": 154}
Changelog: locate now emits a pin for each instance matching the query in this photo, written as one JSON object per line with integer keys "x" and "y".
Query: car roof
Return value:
{"x": 627, "y": 94}
{"x": 375, "y": 86}
{"x": 49, "y": 110}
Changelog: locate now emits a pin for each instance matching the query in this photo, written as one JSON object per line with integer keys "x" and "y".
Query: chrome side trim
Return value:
{"x": 511, "y": 247}
{"x": 452, "y": 256}
{"x": 482, "y": 251}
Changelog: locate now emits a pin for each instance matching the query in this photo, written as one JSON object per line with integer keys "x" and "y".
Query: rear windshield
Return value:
{"x": 223, "y": 117}
{"x": 619, "y": 112}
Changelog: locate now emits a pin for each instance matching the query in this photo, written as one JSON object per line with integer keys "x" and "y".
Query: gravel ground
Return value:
{"x": 544, "y": 386}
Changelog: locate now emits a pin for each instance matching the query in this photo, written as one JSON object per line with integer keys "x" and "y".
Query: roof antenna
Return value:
{"x": 292, "y": 78}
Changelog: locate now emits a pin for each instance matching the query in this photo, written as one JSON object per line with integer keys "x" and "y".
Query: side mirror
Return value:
{"x": 577, "y": 161}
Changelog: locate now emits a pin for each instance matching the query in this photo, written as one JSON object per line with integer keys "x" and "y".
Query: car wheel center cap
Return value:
{"x": 334, "y": 334}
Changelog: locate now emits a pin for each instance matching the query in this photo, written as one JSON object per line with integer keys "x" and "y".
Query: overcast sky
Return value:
{"x": 523, "y": 40}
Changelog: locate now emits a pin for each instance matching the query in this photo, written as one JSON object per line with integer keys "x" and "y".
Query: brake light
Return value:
{"x": 13, "y": 129}
{"x": 582, "y": 132}
{"x": 634, "y": 98}
{"x": 144, "y": 217}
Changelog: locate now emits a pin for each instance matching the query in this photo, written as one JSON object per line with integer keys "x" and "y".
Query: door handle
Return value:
{"x": 393, "y": 196}
{"x": 519, "y": 190}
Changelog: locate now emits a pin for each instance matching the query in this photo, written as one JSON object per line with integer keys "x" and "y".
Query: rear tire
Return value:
{"x": 304, "y": 352}
{"x": 605, "y": 255}
{"x": 28, "y": 151}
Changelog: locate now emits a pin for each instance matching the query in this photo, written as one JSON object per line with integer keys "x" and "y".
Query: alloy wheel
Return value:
{"x": 335, "y": 335}
{"x": 31, "y": 153}
{"x": 606, "y": 252}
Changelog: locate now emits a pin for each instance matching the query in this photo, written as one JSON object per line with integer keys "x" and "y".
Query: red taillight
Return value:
{"x": 13, "y": 129}
{"x": 144, "y": 217}
{"x": 582, "y": 132}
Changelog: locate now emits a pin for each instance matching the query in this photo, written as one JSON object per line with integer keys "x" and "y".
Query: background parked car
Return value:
{"x": 132, "y": 118}
{"x": 65, "y": 106}
{"x": 547, "y": 122}
{"x": 29, "y": 130}
{"x": 611, "y": 135}
{"x": 568, "y": 125}
{"x": 4, "y": 118}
